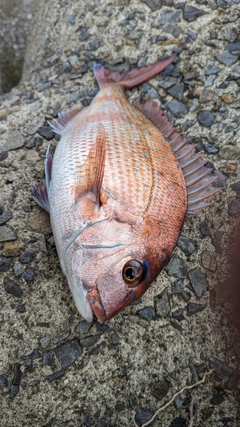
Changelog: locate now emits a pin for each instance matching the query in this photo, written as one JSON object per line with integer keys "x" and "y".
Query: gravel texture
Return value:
{"x": 56, "y": 369}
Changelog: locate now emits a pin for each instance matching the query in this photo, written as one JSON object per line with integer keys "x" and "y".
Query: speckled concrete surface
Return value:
{"x": 56, "y": 369}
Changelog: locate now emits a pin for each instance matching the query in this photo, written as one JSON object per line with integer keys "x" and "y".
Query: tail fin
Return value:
{"x": 131, "y": 78}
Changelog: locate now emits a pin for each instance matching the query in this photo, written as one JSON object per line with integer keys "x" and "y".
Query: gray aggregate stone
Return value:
{"x": 209, "y": 81}
{"x": 12, "y": 287}
{"x": 68, "y": 352}
{"x": 221, "y": 368}
{"x": 227, "y": 58}
{"x": 177, "y": 286}
{"x": 191, "y": 13}
{"x": 178, "y": 314}
{"x": 7, "y": 234}
{"x": 11, "y": 140}
{"x": 18, "y": 269}
{"x": 206, "y": 118}
{"x": 3, "y": 381}
{"x": 178, "y": 402}
{"x": 236, "y": 187}
{"x": 177, "y": 91}
{"x": 204, "y": 229}
{"x": 74, "y": 97}
{"x": 211, "y": 149}
{"x": 93, "y": 45}
{"x": 71, "y": 18}
{"x": 152, "y": 93}
{"x": 198, "y": 281}
{"x": 35, "y": 354}
{"x": 160, "y": 389}
{"x": 153, "y": 4}
{"x": 143, "y": 416}
{"x": 30, "y": 143}
{"x": 60, "y": 337}
{"x": 83, "y": 327}
{"x": 5, "y": 217}
{"x": 213, "y": 70}
{"x": 5, "y": 264}
{"x": 234, "y": 47}
{"x": 29, "y": 274}
{"x": 162, "y": 304}
{"x": 14, "y": 389}
{"x": 56, "y": 376}
{"x": 45, "y": 341}
{"x": 177, "y": 108}
{"x": 46, "y": 132}
{"x": 169, "y": 16}
{"x": 234, "y": 207}
{"x": 193, "y": 308}
{"x": 147, "y": 313}
{"x": 176, "y": 267}
{"x": 27, "y": 257}
{"x": 172, "y": 29}
{"x": 21, "y": 308}
{"x": 48, "y": 358}
{"x": 188, "y": 246}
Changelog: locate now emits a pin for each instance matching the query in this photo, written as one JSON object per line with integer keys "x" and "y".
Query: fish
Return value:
{"x": 118, "y": 188}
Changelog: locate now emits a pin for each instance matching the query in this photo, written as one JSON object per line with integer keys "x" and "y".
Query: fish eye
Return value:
{"x": 133, "y": 272}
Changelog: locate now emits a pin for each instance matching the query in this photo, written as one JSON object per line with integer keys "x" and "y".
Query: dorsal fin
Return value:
{"x": 198, "y": 183}
{"x": 93, "y": 169}
{"x": 63, "y": 118}
{"x": 130, "y": 78}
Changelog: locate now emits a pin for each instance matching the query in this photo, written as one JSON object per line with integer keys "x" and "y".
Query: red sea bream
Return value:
{"x": 117, "y": 189}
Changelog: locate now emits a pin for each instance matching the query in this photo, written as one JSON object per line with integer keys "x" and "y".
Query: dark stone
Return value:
{"x": 236, "y": 187}
{"x": 56, "y": 376}
{"x": 191, "y": 13}
{"x": 21, "y": 308}
{"x": 30, "y": 143}
{"x": 160, "y": 389}
{"x": 193, "y": 308}
{"x": 68, "y": 352}
{"x": 177, "y": 108}
{"x": 144, "y": 415}
{"x": 27, "y": 257}
{"x": 221, "y": 369}
{"x": 28, "y": 275}
{"x": 162, "y": 304}
{"x": 14, "y": 389}
{"x": 12, "y": 287}
{"x": 93, "y": 92}
{"x": 177, "y": 91}
{"x": 48, "y": 358}
{"x": 234, "y": 207}
{"x": 177, "y": 286}
{"x": 74, "y": 97}
{"x": 204, "y": 229}
{"x": 103, "y": 423}
{"x": 4, "y": 217}
{"x": 46, "y": 132}
{"x": 83, "y": 327}
{"x": 90, "y": 341}
{"x": 5, "y": 264}
{"x": 17, "y": 374}
{"x": 227, "y": 58}
{"x": 66, "y": 68}
{"x": 147, "y": 313}
{"x": 32, "y": 356}
{"x": 153, "y": 4}
{"x": 177, "y": 402}
{"x": 234, "y": 47}
{"x": 188, "y": 246}
{"x": 71, "y": 18}
{"x": 3, "y": 155}
{"x": 7, "y": 234}
{"x": 178, "y": 314}
{"x": 3, "y": 381}
{"x": 176, "y": 267}
{"x": 169, "y": 17}
{"x": 93, "y": 45}
{"x": 213, "y": 70}
{"x": 206, "y": 118}
{"x": 211, "y": 149}
{"x": 198, "y": 281}
{"x": 178, "y": 422}
{"x": 83, "y": 34}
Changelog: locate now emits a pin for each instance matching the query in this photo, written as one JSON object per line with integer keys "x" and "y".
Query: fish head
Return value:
{"x": 110, "y": 265}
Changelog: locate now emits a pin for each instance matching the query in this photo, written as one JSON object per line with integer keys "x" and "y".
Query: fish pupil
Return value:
{"x": 130, "y": 273}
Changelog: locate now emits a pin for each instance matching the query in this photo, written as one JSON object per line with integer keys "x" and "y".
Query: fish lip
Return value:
{"x": 96, "y": 305}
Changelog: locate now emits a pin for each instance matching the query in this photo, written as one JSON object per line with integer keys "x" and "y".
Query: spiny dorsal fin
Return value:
{"x": 63, "y": 118}
{"x": 130, "y": 78}
{"x": 93, "y": 169}
{"x": 198, "y": 183}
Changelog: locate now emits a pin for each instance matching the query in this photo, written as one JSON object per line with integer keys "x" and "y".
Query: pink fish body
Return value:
{"x": 118, "y": 189}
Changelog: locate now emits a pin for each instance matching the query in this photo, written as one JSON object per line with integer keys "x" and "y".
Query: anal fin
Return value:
{"x": 41, "y": 192}
{"x": 196, "y": 175}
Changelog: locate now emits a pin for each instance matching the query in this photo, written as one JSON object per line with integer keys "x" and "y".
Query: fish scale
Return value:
{"x": 117, "y": 189}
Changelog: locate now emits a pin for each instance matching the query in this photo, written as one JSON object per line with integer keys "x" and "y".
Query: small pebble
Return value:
{"x": 211, "y": 149}
{"x": 221, "y": 368}
{"x": 21, "y": 308}
{"x": 4, "y": 217}
{"x": 177, "y": 108}
{"x": 176, "y": 267}
{"x": 177, "y": 286}
{"x": 198, "y": 281}
{"x": 191, "y": 13}
{"x": 188, "y": 246}
{"x": 7, "y": 234}
{"x": 5, "y": 264}
{"x": 206, "y": 118}
{"x": 12, "y": 287}
{"x": 3, "y": 381}
{"x": 83, "y": 327}
{"x": 46, "y": 132}
{"x": 234, "y": 207}
{"x": 227, "y": 58}
{"x": 27, "y": 257}
{"x": 193, "y": 308}
{"x": 68, "y": 352}
{"x": 147, "y": 313}
{"x": 28, "y": 275}
{"x": 144, "y": 415}
{"x": 162, "y": 304}
{"x": 11, "y": 140}
{"x": 45, "y": 341}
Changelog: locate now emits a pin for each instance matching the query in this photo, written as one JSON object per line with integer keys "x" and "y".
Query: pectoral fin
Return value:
{"x": 92, "y": 170}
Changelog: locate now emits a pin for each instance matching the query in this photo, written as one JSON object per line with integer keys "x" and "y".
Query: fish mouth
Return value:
{"x": 96, "y": 305}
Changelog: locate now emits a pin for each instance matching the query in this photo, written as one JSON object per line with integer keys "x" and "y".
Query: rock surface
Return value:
{"x": 55, "y": 368}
